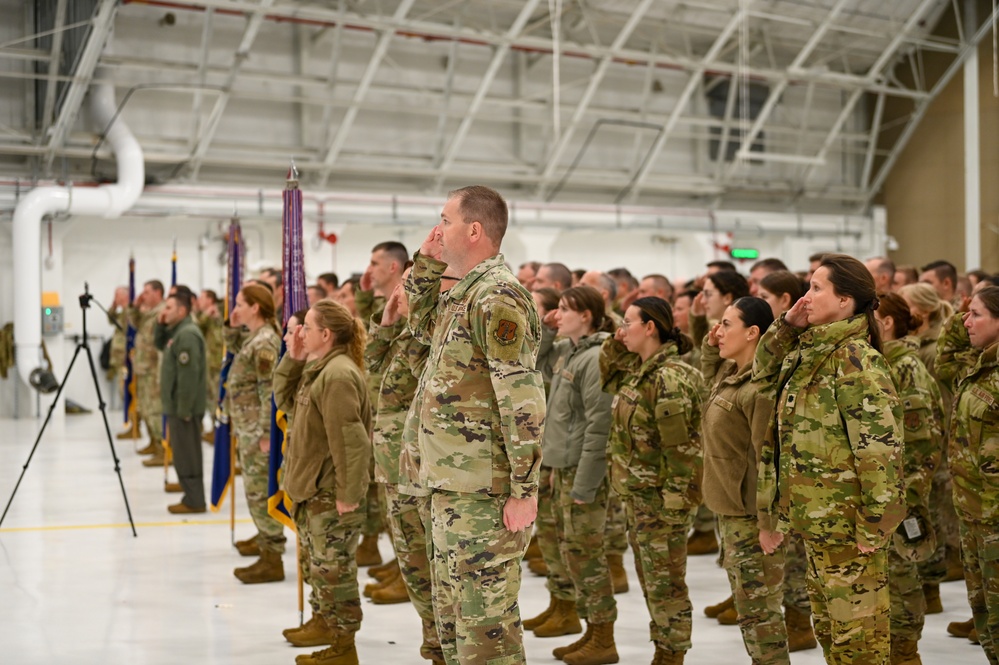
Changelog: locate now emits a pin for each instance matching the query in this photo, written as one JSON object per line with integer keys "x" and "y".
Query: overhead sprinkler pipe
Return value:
{"x": 108, "y": 201}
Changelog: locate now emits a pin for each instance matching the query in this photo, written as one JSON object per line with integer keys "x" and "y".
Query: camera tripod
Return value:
{"x": 80, "y": 346}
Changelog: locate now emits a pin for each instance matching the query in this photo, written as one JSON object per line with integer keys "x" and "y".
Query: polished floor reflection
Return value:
{"x": 76, "y": 587}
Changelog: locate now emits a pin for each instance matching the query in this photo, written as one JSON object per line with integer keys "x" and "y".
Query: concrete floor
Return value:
{"x": 76, "y": 587}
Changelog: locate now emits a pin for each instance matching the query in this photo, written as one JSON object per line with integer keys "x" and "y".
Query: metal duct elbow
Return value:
{"x": 105, "y": 201}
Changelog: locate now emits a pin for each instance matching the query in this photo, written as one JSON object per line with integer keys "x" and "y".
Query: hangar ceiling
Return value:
{"x": 774, "y": 104}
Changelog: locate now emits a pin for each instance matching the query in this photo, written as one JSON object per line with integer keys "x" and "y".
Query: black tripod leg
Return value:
{"x": 38, "y": 439}
{"x": 107, "y": 429}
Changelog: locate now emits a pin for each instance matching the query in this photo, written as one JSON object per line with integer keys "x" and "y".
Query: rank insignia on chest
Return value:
{"x": 790, "y": 400}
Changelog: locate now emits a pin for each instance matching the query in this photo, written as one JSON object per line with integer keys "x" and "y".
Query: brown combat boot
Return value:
{"x": 268, "y": 568}
{"x": 172, "y": 488}
{"x": 619, "y": 578}
{"x": 563, "y": 621}
{"x": 148, "y": 449}
{"x": 392, "y": 593}
{"x": 800, "y": 635}
{"x": 664, "y": 657}
{"x": 538, "y": 567}
{"x": 381, "y": 571}
{"x": 376, "y": 586}
{"x": 729, "y": 617}
{"x": 367, "y": 552}
{"x": 248, "y": 547}
{"x": 531, "y": 624}
{"x": 130, "y": 433}
{"x": 158, "y": 455}
{"x": 931, "y": 592}
{"x": 599, "y": 650}
{"x": 313, "y": 633}
{"x": 904, "y": 652}
{"x": 702, "y": 542}
{"x": 955, "y": 566}
{"x": 341, "y": 652}
{"x": 562, "y": 652}
{"x": 712, "y": 611}
{"x": 973, "y": 636}
{"x": 533, "y": 549}
{"x": 961, "y": 628}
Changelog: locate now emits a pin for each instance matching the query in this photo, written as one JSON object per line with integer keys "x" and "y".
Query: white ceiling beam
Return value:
{"x": 84, "y": 74}
{"x": 499, "y": 57}
{"x": 53, "y": 69}
{"x": 332, "y": 150}
{"x": 562, "y": 142}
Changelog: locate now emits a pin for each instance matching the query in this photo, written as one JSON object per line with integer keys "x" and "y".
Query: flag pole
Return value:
{"x": 167, "y": 448}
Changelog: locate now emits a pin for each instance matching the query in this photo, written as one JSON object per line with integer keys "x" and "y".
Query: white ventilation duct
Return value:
{"x": 107, "y": 201}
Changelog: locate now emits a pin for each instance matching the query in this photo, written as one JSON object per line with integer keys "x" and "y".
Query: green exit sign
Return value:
{"x": 745, "y": 253}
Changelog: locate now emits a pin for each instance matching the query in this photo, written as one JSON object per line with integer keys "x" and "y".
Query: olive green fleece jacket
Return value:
{"x": 577, "y": 422}
{"x": 330, "y": 442}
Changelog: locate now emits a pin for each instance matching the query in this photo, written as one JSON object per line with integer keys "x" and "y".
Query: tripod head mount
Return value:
{"x": 85, "y": 298}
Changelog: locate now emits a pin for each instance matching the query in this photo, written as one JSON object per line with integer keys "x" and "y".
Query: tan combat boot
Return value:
{"x": 955, "y": 566}
{"x": 961, "y": 628}
{"x": 619, "y": 578}
{"x": 729, "y": 617}
{"x": 800, "y": 635}
{"x": 158, "y": 457}
{"x": 599, "y": 650}
{"x": 384, "y": 570}
{"x": 931, "y": 592}
{"x": 341, "y": 652}
{"x": 313, "y": 633}
{"x": 392, "y": 593}
{"x": 268, "y": 568}
{"x": 702, "y": 542}
{"x": 248, "y": 547}
{"x": 904, "y": 652}
{"x": 563, "y": 621}
{"x": 376, "y": 586}
{"x": 664, "y": 657}
{"x": 538, "y": 567}
{"x": 130, "y": 433}
{"x": 531, "y": 624}
{"x": 367, "y": 552}
{"x": 712, "y": 611}
{"x": 562, "y": 652}
{"x": 148, "y": 449}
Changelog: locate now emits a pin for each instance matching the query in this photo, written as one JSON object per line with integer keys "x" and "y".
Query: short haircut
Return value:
{"x": 661, "y": 281}
{"x": 211, "y": 294}
{"x": 533, "y": 265}
{"x": 944, "y": 270}
{"x": 729, "y": 282}
{"x": 624, "y": 275}
{"x": 276, "y": 274}
{"x": 722, "y": 265}
{"x": 395, "y": 250}
{"x": 549, "y": 298}
{"x": 771, "y": 263}
{"x": 261, "y": 282}
{"x": 578, "y": 273}
{"x": 885, "y": 265}
{"x": 183, "y": 299}
{"x": 780, "y": 282}
{"x": 329, "y": 277}
{"x": 560, "y": 273}
{"x": 319, "y": 287}
{"x": 183, "y": 288}
{"x": 478, "y": 203}
{"x": 155, "y": 285}
{"x": 817, "y": 256}
{"x": 608, "y": 283}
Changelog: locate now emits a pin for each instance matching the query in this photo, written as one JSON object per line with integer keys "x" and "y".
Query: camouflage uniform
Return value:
{"x": 211, "y": 330}
{"x": 838, "y": 486}
{"x": 655, "y": 452}
{"x": 734, "y": 424}
{"x": 922, "y": 406}
{"x": 479, "y": 422}
{"x": 329, "y": 448}
{"x": 577, "y": 424}
{"x": 397, "y": 358}
{"x": 974, "y": 467}
{"x": 248, "y": 403}
{"x": 118, "y": 319}
{"x": 369, "y": 310}
{"x": 146, "y": 365}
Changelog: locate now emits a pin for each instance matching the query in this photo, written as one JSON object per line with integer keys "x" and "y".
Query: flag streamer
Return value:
{"x": 128, "y": 399}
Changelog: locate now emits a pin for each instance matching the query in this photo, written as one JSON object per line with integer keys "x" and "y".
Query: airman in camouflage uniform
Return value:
{"x": 118, "y": 318}
{"x": 656, "y": 466}
{"x": 922, "y": 407}
{"x": 146, "y": 365}
{"x": 398, "y": 359}
{"x": 825, "y": 377}
{"x": 974, "y": 459}
{"x": 210, "y": 323}
{"x": 479, "y": 423}
{"x": 248, "y": 404}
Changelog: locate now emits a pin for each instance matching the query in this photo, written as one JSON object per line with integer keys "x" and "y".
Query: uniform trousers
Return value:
{"x": 980, "y": 550}
{"x": 476, "y": 579}
{"x": 559, "y": 585}
{"x": 850, "y": 603}
{"x": 185, "y": 440}
{"x": 757, "y": 581}
{"x": 660, "y": 539}
{"x": 330, "y": 542}
{"x": 580, "y": 532}
{"x": 256, "y": 467}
